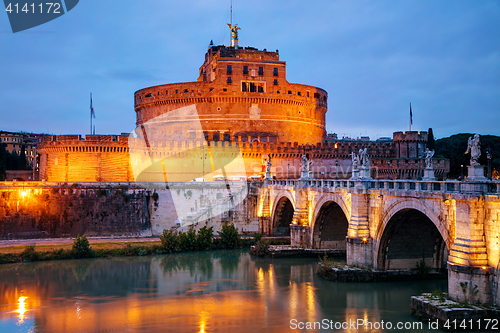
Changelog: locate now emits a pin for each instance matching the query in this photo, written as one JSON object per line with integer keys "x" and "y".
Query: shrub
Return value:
{"x": 81, "y": 248}
{"x": 187, "y": 240}
{"x": 204, "y": 238}
{"x": 262, "y": 247}
{"x": 169, "y": 241}
{"x": 423, "y": 268}
{"x": 257, "y": 237}
{"x": 229, "y": 237}
{"x": 29, "y": 254}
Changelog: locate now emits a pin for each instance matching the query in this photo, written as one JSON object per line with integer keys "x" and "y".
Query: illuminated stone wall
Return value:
{"x": 93, "y": 158}
{"x": 43, "y": 209}
{"x": 33, "y": 210}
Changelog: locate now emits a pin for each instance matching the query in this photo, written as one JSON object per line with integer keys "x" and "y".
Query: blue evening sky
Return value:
{"x": 372, "y": 57}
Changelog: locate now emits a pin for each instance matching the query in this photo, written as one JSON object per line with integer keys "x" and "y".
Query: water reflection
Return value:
{"x": 196, "y": 292}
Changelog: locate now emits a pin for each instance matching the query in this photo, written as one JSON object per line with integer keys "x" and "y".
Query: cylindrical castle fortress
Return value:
{"x": 240, "y": 93}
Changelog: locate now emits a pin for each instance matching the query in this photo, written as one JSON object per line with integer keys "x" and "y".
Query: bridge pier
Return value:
{"x": 469, "y": 275}
{"x": 300, "y": 236}
{"x": 359, "y": 252}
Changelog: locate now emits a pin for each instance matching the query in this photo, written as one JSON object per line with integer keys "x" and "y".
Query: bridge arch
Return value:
{"x": 409, "y": 232}
{"x": 282, "y": 214}
{"x": 330, "y": 222}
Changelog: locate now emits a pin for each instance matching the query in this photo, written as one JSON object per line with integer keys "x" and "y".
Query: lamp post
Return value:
{"x": 488, "y": 157}
{"x": 419, "y": 176}
{"x": 336, "y": 169}
{"x": 388, "y": 169}
{"x": 288, "y": 171}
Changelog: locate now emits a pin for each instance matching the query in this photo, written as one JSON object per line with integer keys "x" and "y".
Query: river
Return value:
{"x": 219, "y": 291}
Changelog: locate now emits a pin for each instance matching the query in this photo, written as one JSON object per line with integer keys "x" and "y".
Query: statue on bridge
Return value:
{"x": 428, "y": 158}
{"x": 268, "y": 168}
{"x": 363, "y": 157}
{"x": 304, "y": 163}
{"x": 474, "y": 147}
{"x": 355, "y": 160}
{"x": 268, "y": 165}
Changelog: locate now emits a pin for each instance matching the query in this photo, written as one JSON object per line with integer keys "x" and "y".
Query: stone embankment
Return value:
{"x": 449, "y": 315}
{"x": 345, "y": 273}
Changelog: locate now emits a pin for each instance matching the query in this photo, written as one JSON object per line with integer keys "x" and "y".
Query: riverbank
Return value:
{"x": 12, "y": 251}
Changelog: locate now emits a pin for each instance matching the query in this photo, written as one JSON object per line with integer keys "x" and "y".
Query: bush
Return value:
{"x": 81, "y": 248}
{"x": 262, "y": 247}
{"x": 423, "y": 268}
{"x": 29, "y": 254}
{"x": 204, "y": 238}
{"x": 169, "y": 241}
{"x": 229, "y": 237}
{"x": 187, "y": 241}
{"x": 257, "y": 237}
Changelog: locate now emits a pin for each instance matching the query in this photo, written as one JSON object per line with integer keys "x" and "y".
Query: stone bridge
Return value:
{"x": 393, "y": 224}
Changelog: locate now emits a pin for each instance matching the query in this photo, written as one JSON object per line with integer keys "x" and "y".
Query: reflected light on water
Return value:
{"x": 22, "y": 308}
{"x": 203, "y": 321}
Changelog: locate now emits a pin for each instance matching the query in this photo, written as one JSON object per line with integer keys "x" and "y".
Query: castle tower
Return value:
{"x": 241, "y": 94}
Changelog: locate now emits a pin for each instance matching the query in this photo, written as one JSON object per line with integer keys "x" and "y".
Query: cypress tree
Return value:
{"x": 430, "y": 140}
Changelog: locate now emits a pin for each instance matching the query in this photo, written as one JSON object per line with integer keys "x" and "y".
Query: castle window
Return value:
{"x": 216, "y": 136}
{"x": 225, "y": 89}
{"x": 229, "y": 79}
{"x": 211, "y": 89}
{"x": 275, "y": 82}
{"x": 298, "y": 93}
{"x": 229, "y": 69}
{"x": 187, "y": 90}
{"x": 166, "y": 92}
{"x": 245, "y": 69}
{"x": 149, "y": 95}
{"x": 275, "y": 71}
{"x": 227, "y": 137}
{"x": 289, "y": 92}
{"x": 260, "y": 88}
{"x": 261, "y": 70}
{"x": 176, "y": 91}
{"x": 277, "y": 91}
{"x": 244, "y": 86}
{"x": 316, "y": 95}
{"x": 308, "y": 93}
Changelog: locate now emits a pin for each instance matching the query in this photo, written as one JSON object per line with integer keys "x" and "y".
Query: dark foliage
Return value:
{"x": 229, "y": 237}
{"x": 454, "y": 148}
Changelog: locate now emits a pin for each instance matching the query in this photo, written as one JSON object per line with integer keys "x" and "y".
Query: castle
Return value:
{"x": 241, "y": 108}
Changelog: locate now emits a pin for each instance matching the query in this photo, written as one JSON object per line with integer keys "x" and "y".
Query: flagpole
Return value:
{"x": 91, "y": 113}
{"x": 411, "y": 117}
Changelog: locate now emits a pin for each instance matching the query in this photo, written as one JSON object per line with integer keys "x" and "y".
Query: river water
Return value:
{"x": 219, "y": 291}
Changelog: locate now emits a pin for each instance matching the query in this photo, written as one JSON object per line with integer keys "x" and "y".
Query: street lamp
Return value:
{"x": 488, "y": 157}
{"x": 288, "y": 171}
{"x": 388, "y": 167}
{"x": 336, "y": 169}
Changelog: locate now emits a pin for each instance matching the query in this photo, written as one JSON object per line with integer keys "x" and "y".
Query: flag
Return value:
{"x": 91, "y": 108}
{"x": 411, "y": 116}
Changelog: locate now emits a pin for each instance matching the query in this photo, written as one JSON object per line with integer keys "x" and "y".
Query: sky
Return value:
{"x": 373, "y": 58}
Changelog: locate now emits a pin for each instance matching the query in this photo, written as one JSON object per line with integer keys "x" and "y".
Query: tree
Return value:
{"x": 3, "y": 161}
{"x": 430, "y": 140}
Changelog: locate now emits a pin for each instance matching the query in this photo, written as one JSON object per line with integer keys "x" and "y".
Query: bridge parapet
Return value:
{"x": 486, "y": 187}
